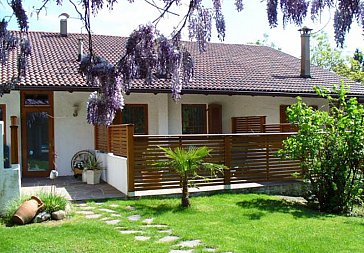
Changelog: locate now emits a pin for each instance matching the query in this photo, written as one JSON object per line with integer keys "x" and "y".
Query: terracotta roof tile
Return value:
{"x": 223, "y": 69}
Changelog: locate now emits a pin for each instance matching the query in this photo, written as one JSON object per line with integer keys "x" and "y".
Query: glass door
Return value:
{"x": 37, "y": 135}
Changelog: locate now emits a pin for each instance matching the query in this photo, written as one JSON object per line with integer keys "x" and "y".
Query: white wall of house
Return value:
{"x": 233, "y": 106}
{"x": 12, "y": 101}
{"x": 71, "y": 133}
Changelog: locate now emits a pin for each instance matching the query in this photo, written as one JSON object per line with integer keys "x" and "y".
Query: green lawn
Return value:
{"x": 228, "y": 222}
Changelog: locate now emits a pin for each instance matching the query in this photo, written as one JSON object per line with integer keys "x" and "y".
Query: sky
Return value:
{"x": 243, "y": 27}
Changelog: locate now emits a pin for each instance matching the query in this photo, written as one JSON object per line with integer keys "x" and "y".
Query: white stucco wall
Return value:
{"x": 12, "y": 101}
{"x": 71, "y": 134}
{"x": 157, "y": 110}
{"x": 233, "y": 106}
{"x": 116, "y": 173}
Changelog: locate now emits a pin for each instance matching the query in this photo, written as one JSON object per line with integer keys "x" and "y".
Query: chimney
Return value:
{"x": 305, "y": 52}
{"x": 63, "y": 24}
{"x": 80, "y": 49}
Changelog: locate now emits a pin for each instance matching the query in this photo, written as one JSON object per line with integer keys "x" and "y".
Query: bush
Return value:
{"x": 330, "y": 148}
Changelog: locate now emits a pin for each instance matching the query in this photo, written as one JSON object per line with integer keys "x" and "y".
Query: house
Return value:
{"x": 230, "y": 81}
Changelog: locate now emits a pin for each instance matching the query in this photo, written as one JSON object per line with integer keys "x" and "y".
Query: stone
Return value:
{"x": 148, "y": 221}
{"x": 181, "y": 251}
{"x": 58, "y": 215}
{"x": 114, "y": 205}
{"x": 189, "y": 244}
{"x": 155, "y": 226}
{"x": 169, "y": 238}
{"x": 106, "y": 210}
{"x": 93, "y": 216}
{"x": 135, "y": 217}
{"x": 142, "y": 238}
{"x": 86, "y": 207}
{"x": 82, "y": 205}
{"x": 86, "y": 212}
{"x": 130, "y": 208}
{"x": 131, "y": 232}
{"x": 168, "y": 231}
{"x": 40, "y": 217}
{"x": 209, "y": 250}
{"x": 112, "y": 222}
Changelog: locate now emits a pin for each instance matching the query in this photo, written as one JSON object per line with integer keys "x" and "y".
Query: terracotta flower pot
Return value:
{"x": 28, "y": 210}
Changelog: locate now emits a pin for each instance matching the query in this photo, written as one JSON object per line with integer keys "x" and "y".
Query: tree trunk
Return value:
{"x": 185, "y": 193}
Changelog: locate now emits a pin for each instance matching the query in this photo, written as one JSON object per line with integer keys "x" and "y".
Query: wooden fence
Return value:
{"x": 250, "y": 157}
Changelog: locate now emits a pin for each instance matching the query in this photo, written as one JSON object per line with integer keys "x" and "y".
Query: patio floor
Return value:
{"x": 73, "y": 189}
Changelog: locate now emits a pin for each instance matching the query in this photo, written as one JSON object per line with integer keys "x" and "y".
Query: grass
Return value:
{"x": 228, "y": 222}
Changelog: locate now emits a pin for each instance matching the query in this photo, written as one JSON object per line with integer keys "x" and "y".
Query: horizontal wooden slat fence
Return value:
{"x": 251, "y": 157}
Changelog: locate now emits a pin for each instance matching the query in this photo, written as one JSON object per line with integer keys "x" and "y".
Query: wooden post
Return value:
{"x": 227, "y": 173}
{"x": 108, "y": 139}
{"x": 14, "y": 140}
{"x": 267, "y": 151}
{"x": 130, "y": 156}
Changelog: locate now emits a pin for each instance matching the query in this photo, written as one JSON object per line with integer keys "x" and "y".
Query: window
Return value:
{"x": 136, "y": 114}
{"x": 3, "y": 118}
{"x": 194, "y": 119}
{"x": 36, "y": 99}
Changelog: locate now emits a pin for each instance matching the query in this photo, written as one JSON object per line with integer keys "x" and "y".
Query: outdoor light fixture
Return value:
{"x": 76, "y": 109}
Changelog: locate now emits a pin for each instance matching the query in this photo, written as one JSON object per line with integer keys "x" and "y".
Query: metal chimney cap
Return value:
{"x": 305, "y": 30}
{"x": 64, "y": 15}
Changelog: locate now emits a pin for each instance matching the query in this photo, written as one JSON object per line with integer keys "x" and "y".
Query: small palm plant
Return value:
{"x": 187, "y": 162}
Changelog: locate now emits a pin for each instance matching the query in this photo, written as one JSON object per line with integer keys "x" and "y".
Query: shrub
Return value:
{"x": 330, "y": 148}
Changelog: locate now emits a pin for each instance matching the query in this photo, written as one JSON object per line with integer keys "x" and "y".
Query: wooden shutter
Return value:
{"x": 215, "y": 119}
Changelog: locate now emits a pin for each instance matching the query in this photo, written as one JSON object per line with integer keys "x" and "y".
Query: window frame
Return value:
{"x": 119, "y": 117}
{"x": 202, "y": 106}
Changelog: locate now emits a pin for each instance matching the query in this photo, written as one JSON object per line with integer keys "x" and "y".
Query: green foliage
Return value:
{"x": 330, "y": 148}
{"x": 324, "y": 55}
{"x": 187, "y": 163}
{"x": 93, "y": 163}
{"x": 53, "y": 202}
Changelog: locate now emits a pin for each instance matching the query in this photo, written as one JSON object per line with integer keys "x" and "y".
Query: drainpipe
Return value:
{"x": 305, "y": 52}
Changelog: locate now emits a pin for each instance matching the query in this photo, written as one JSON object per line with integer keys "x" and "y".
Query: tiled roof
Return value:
{"x": 223, "y": 69}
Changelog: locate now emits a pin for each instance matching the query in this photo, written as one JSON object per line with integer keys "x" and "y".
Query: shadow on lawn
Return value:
{"x": 279, "y": 206}
{"x": 160, "y": 209}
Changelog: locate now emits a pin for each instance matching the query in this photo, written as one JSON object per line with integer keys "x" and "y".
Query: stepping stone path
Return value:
{"x": 165, "y": 234}
{"x": 142, "y": 238}
{"x": 131, "y": 231}
{"x": 106, "y": 210}
{"x": 169, "y": 238}
{"x": 134, "y": 217}
{"x": 112, "y": 222}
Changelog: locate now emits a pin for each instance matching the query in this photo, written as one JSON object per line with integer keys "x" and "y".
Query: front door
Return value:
{"x": 37, "y": 133}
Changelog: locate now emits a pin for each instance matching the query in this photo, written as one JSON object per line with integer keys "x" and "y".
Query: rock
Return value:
{"x": 58, "y": 215}
{"x": 40, "y": 217}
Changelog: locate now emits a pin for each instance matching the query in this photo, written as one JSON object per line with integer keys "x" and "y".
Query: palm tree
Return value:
{"x": 186, "y": 162}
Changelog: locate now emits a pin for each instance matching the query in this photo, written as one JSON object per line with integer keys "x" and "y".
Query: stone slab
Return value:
{"x": 112, "y": 222}
{"x": 189, "y": 244}
{"x": 134, "y": 217}
{"x": 142, "y": 238}
{"x": 169, "y": 238}
{"x": 93, "y": 216}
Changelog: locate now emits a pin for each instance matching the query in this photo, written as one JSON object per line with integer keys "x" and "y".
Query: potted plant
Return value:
{"x": 93, "y": 169}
